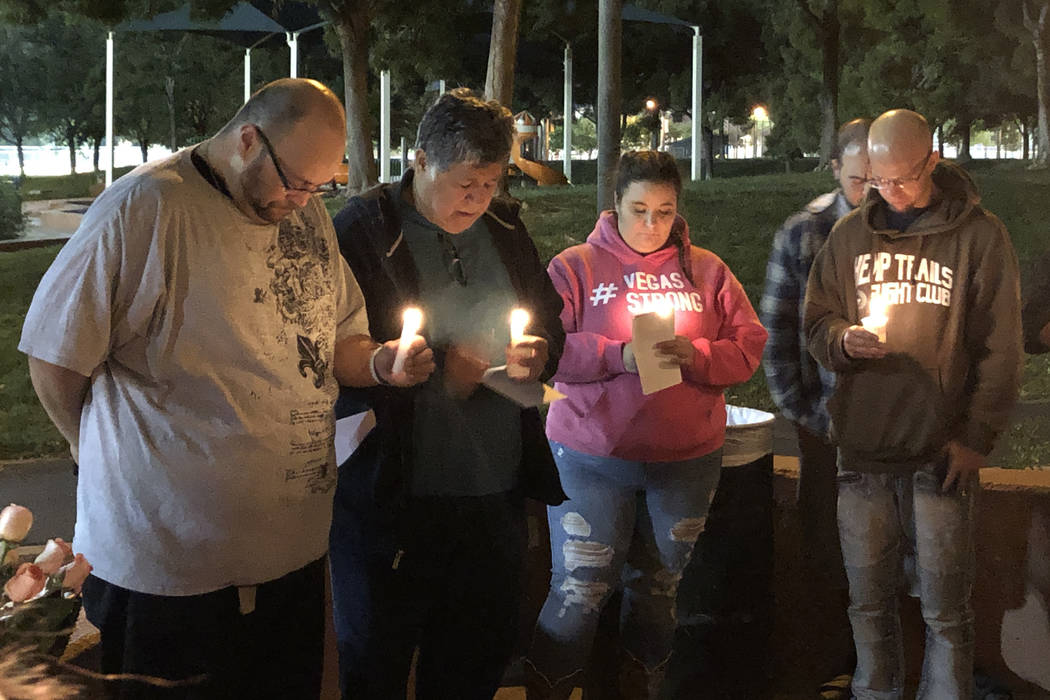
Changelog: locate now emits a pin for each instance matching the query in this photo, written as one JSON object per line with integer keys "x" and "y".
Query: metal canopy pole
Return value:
{"x": 247, "y": 74}
{"x": 109, "y": 107}
{"x": 567, "y": 116}
{"x": 292, "y": 38}
{"x": 384, "y": 126}
{"x": 697, "y": 165}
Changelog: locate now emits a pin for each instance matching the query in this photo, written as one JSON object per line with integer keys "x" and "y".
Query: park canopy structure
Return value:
{"x": 245, "y": 25}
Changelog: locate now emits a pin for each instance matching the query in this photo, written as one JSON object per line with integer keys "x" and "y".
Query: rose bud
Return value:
{"x": 56, "y": 553}
{"x": 74, "y": 573}
{"x": 26, "y": 583}
{"x": 12, "y": 559}
{"x": 15, "y": 522}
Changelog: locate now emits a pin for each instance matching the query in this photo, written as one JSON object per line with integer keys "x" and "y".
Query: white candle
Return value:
{"x": 876, "y": 320}
{"x": 411, "y": 322}
{"x": 519, "y": 320}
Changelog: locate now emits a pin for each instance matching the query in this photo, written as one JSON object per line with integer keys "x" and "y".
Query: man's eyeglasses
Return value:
{"x": 280, "y": 173}
{"x": 452, "y": 259}
{"x": 896, "y": 183}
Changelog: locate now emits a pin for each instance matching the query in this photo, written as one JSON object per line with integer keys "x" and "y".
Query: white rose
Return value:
{"x": 56, "y": 553}
{"x": 15, "y": 522}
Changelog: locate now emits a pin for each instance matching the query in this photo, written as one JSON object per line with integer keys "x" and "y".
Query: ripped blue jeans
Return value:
{"x": 883, "y": 518}
{"x": 629, "y": 524}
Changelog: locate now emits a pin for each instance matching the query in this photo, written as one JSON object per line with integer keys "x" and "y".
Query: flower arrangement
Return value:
{"x": 41, "y": 598}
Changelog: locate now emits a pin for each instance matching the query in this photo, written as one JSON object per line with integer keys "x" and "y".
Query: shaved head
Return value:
{"x": 902, "y": 159}
{"x": 279, "y": 106}
{"x": 899, "y": 133}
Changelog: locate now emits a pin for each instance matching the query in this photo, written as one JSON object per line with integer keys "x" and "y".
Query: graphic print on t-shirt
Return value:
{"x": 302, "y": 290}
{"x": 900, "y": 279}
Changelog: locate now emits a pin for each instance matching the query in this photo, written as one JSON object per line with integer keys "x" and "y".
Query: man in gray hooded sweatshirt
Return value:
{"x": 918, "y": 406}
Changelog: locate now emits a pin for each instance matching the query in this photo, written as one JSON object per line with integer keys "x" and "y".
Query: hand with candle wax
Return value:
{"x": 528, "y": 357}
{"x": 418, "y": 364}
{"x": 861, "y": 344}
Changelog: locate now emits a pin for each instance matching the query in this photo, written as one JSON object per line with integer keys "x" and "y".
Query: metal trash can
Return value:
{"x": 725, "y": 599}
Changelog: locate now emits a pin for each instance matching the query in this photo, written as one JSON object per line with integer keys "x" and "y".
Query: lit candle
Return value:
{"x": 648, "y": 329}
{"x": 519, "y": 319}
{"x": 875, "y": 321}
{"x": 411, "y": 322}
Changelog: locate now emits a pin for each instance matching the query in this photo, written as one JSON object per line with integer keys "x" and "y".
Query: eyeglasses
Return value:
{"x": 288, "y": 189}
{"x": 896, "y": 183}
{"x": 452, "y": 259}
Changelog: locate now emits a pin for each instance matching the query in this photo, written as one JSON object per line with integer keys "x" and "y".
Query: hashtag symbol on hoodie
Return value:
{"x": 603, "y": 293}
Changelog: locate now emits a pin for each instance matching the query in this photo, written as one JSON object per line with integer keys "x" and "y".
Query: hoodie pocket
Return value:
{"x": 889, "y": 411}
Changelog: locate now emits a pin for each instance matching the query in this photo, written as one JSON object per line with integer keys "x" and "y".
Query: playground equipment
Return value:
{"x": 526, "y": 144}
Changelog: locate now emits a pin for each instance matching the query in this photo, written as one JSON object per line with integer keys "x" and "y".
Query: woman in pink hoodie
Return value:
{"x": 640, "y": 471}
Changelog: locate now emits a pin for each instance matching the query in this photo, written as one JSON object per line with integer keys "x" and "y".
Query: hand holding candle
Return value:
{"x": 868, "y": 340}
{"x": 875, "y": 321}
{"x": 412, "y": 321}
{"x": 526, "y": 354}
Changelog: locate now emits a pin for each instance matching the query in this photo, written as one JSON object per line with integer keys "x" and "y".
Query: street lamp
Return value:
{"x": 761, "y": 118}
{"x": 653, "y": 122}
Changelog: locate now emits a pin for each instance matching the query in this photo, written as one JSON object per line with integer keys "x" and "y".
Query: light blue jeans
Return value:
{"x": 629, "y": 524}
{"x": 883, "y": 518}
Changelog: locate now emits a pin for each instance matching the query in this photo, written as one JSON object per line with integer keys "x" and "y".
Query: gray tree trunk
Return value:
{"x": 169, "y": 92}
{"x": 609, "y": 99}
{"x": 503, "y": 47}
{"x": 351, "y": 21}
{"x": 828, "y": 29}
{"x": 1036, "y": 27}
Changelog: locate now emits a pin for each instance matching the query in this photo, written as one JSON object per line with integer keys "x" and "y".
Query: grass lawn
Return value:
{"x": 734, "y": 217}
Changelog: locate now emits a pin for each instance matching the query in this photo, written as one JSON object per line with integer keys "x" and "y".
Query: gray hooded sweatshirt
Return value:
{"x": 950, "y": 285}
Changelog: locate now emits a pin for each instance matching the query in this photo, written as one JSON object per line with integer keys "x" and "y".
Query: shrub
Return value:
{"x": 12, "y": 221}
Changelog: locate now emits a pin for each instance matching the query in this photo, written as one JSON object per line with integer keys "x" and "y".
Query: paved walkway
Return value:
{"x": 48, "y": 221}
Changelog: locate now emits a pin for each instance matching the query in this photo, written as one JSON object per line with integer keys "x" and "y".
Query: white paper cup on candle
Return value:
{"x": 876, "y": 320}
{"x": 519, "y": 320}
{"x": 876, "y": 325}
{"x": 411, "y": 322}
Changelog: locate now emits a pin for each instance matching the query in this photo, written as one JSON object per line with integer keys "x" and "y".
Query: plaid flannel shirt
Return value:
{"x": 799, "y": 386}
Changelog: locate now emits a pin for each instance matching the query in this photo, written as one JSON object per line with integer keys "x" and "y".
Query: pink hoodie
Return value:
{"x": 603, "y": 284}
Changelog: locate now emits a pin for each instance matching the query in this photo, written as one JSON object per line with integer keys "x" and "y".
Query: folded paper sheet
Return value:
{"x": 528, "y": 395}
{"x": 653, "y": 369}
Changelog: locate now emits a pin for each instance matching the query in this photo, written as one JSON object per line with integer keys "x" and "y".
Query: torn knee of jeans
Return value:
{"x": 588, "y": 594}
{"x": 575, "y": 525}
{"x": 584, "y": 553}
{"x": 687, "y": 529}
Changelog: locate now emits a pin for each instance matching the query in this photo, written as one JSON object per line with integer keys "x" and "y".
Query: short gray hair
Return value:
{"x": 462, "y": 127}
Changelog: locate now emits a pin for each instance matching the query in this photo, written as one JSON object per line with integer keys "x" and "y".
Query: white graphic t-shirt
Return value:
{"x": 206, "y": 442}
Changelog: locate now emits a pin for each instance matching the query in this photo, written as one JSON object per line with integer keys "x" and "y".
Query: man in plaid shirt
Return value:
{"x": 801, "y": 388}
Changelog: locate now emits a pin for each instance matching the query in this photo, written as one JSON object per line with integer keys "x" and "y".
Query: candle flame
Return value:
{"x": 877, "y": 306}
{"x": 663, "y": 309}
{"x": 519, "y": 320}
{"x": 412, "y": 320}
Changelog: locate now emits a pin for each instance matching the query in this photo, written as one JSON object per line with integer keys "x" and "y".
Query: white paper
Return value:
{"x": 648, "y": 330}
{"x": 350, "y": 432}
{"x": 527, "y": 395}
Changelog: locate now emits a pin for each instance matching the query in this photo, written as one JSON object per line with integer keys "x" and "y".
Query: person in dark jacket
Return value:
{"x": 801, "y": 388}
{"x": 428, "y": 533}
{"x": 924, "y": 386}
